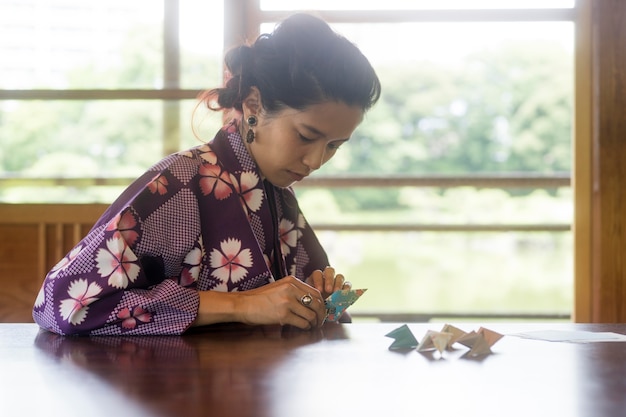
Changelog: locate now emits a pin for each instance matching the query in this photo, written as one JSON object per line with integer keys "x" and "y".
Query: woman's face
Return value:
{"x": 291, "y": 144}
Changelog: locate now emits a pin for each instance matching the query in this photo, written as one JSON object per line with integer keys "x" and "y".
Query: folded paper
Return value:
{"x": 456, "y": 333}
{"x": 479, "y": 342}
{"x": 404, "y": 338}
{"x": 339, "y": 301}
{"x": 434, "y": 340}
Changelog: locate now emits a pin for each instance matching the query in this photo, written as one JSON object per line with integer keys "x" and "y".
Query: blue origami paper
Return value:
{"x": 339, "y": 301}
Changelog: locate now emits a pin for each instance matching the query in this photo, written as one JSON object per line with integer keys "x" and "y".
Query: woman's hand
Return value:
{"x": 283, "y": 302}
{"x": 326, "y": 282}
{"x": 286, "y": 301}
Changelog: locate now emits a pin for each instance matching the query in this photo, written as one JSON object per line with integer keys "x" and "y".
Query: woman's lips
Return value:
{"x": 296, "y": 176}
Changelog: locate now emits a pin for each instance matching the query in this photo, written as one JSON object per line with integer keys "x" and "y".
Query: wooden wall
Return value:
{"x": 608, "y": 162}
{"x": 33, "y": 238}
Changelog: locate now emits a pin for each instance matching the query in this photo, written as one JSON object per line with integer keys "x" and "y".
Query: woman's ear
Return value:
{"x": 252, "y": 103}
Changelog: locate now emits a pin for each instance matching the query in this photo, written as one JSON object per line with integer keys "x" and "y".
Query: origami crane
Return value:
{"x": 339, "y": 301}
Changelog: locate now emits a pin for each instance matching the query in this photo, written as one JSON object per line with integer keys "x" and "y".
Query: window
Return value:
{"x": 100, "y": 91}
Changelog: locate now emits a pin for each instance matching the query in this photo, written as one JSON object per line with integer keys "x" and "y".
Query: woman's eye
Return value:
{"x": 334, "y": 146}
{"x": 304, "y": 138}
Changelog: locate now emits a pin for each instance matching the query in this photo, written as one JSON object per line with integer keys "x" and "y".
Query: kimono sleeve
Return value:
{"x": 124, "y": 276}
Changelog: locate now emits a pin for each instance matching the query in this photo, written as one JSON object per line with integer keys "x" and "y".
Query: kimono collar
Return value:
{"x": 229, "y": 147}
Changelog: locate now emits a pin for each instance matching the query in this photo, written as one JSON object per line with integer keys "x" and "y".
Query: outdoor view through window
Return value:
{"x": 463, "y": 99}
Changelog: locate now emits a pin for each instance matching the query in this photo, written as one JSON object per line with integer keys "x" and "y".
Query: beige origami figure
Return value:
{"x": 479, "y": 342}
{"x": 434, "y": 340}
{"x": 456, "y": 334}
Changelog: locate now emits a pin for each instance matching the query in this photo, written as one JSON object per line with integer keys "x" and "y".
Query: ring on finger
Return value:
{"x": 306, "y": 300}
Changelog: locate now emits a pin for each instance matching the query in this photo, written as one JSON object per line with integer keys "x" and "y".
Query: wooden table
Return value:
{"x": 342, "y": 370}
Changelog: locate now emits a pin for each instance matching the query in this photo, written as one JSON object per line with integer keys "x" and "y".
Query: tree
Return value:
{"x": 504, "y": 110}
{"x": 119, "y": 138}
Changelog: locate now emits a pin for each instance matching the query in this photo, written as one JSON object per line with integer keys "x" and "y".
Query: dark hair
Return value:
{"x": 303, "y": 62}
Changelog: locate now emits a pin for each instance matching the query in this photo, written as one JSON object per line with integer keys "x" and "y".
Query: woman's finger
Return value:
{"x": 329, "y": 280}
{"x": 316, "y": 280}
{"x": 314, "y": 309}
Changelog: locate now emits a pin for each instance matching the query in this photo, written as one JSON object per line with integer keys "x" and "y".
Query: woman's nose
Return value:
{"x": 315, "y": 157}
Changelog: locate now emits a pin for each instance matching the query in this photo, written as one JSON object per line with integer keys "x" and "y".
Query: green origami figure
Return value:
{"x": 404, "y": 338}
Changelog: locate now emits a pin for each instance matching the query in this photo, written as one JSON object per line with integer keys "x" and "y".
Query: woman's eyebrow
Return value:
{"x": 314, "y": 130}
{"x": 319, "y": 133}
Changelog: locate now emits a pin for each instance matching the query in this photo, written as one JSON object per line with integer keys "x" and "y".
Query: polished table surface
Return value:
{"x": 341, "y": 370}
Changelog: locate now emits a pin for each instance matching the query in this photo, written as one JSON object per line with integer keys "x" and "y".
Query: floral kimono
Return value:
{"x": 198, "y": 220}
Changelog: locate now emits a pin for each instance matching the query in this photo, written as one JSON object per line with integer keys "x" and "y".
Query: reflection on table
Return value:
{"x": 340, "y": 370}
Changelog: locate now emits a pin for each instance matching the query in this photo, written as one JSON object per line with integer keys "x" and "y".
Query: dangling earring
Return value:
{"x": 252, "y": 121}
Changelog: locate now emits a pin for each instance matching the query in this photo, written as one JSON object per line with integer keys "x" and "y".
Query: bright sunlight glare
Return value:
{"x": 412, "y": 4}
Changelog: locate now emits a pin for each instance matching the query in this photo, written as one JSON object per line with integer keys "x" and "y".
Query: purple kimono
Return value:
{"x": 198, "y": 220}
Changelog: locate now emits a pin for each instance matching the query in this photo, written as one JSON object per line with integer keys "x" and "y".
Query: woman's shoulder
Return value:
{"x": 187, "y": 160}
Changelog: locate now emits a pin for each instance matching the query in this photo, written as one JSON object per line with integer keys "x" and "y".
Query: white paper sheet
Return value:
{"x": 572, "y": 336}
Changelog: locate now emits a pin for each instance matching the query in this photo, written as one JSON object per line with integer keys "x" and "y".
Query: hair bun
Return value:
{"x": 239, "y": 59}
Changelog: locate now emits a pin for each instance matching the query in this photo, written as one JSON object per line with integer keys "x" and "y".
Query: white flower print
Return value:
{"x": 230, "y": 261}
{"x": 190, "y": 152}
{"x": 192, "y": 262}
{"x": 288, "y": 236}
{"x": 63, "y": 263}
{"x": 74, "y": 309}
{"x": 117, "y": 262}
{"x": 251, "y": 196}
{"x": 41, "y": 296}
{"x": 208, "y": 155}
{"x": 186, "y": 153}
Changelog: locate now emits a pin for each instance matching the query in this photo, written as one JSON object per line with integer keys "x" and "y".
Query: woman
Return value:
{"x": 214, "y": 234}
